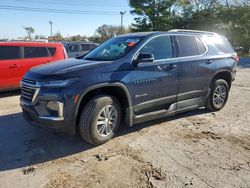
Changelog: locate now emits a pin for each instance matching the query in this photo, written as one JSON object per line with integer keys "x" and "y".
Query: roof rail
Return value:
{"x": 193, "y": 31}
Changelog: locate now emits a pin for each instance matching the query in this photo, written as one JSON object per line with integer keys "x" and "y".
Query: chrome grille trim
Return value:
{"x": 29, "y": 89}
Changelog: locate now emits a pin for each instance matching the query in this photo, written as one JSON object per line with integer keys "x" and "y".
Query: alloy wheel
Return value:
{"x": 106, "y": 121}
{"x": 219, "y": 96}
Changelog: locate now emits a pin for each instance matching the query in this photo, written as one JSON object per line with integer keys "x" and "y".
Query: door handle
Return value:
{"x": 209, "y": 61}
{"x": 169, "y": 67}
{"x": 13, "y": 66}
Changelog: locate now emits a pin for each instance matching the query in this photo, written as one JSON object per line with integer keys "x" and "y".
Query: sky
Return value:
{"x": 90, "y": 15}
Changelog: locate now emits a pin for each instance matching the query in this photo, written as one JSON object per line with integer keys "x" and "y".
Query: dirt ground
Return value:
{"x": 195, "y": 149}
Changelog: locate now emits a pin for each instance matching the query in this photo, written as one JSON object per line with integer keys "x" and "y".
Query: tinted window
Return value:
{"x": 201, "y": 47}
{"x": 52, "y": 51}
{"x": 9, "y": 52}
{"x": 73, "y": 48}
{"x": 222, "y": 44}
{"x": 86, "y": 47}
{"x": 31, "y": 52}
{"x": 160, "y": 47}
{"x": 187, "y": 46}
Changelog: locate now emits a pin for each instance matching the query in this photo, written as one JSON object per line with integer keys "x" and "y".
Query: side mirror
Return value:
{"x": 144, "y": 58}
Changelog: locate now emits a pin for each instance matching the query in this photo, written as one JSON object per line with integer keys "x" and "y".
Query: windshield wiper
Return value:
{"x": 92, "y": 59}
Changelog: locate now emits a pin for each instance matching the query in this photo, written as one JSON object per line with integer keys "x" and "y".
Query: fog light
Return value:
{"x": 56, "y": 108}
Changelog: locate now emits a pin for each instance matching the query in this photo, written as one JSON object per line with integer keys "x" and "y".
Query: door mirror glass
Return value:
{"x": 144, "y": 58}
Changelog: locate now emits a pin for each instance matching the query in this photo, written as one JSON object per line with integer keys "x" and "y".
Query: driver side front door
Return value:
{"x": 155, "y": 84}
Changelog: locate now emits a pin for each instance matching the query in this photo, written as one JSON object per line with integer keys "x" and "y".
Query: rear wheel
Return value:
{"x": 218, "y": 95}
{"x": 100, "y": 119}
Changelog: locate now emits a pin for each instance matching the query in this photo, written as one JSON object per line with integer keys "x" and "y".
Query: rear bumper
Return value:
{"x": 57, "y": 124}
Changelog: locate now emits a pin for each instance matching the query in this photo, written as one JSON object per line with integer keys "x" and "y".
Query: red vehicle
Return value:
{"x": 16, "y": 58}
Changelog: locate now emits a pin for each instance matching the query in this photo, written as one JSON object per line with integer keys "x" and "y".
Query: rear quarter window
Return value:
{"x": 33, "y": 52}
{"x": 9, "y": 52}
{"x": 222, "y": 44}
{"x": 190, "y": 46}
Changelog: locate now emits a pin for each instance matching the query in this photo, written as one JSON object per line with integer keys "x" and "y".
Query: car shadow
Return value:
{"x": 23, "y": 145}
{"x": 126, "y": 130}
{"x": 11, "y": 93}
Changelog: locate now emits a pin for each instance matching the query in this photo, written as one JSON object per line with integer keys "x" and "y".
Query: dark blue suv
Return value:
{"x": 131, "y": 78}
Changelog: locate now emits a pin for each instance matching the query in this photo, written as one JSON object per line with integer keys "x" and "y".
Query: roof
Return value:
{"x": 173, "y": 31}
{"x": 16, "y": 43}
{"x": 193, "y": 31}
{"x": 83, "y": 42}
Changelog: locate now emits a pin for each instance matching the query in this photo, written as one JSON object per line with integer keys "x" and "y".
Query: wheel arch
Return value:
{"x": 225, "y": 75}
{"x": 117, "y": 90}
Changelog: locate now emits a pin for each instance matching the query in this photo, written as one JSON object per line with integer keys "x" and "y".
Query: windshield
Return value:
{"x": 113, "y": 49}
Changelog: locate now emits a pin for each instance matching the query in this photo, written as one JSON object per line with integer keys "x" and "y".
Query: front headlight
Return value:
{"x": 57, "y": 83}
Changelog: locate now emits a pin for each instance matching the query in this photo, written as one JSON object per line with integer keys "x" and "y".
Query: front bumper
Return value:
{"x": 55, "y": 123}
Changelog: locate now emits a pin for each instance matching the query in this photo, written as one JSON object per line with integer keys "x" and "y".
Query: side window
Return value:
{"x": 9, "y": 52}
{"x": 93, "y": 46}
{"x": 222, "y": 44}
{"x": 160, "y": 47}
{"x": 73, "y": 48}
{"x": 86, "y": 47}
{"x": 187, "y": 45}
{"x": 33, "y": 52}
{"x": 52, "y": 51}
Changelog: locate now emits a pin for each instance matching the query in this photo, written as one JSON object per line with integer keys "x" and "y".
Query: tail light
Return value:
{"x": 236, "y": 57}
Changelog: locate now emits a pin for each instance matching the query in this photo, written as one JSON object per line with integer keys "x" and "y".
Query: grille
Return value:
{"x": 28, "y": 89}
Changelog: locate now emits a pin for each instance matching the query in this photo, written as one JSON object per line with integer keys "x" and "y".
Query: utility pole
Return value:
{"x": 122, "y": 14}
{"x": 50, "y": 22}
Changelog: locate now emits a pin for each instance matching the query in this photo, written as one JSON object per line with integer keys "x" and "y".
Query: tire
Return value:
{"x": 218, "y": 95}
{"x": 100, "y": 119}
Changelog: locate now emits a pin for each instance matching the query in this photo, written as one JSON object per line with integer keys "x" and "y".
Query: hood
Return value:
{"x": 64, "y": 66}
{"x": 66, "y": 69}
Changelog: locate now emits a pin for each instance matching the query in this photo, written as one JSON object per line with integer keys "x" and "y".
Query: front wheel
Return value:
{"x": 100, "y": 119}
{"x": 218, "y": 95}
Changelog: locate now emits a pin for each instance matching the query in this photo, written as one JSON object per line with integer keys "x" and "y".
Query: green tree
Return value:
{"x": 29, "y": 31}
{"x": 78, "y": 38}
{"x": 153, "y": 15}
{"x": 227, "y": 17}
{"x": 58, "y": 36}
{"x": 235, "y": 24}
{"x": 40, "y": 37}
{"x": 105, "y": 32}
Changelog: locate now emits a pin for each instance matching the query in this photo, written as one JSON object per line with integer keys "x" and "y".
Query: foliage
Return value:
{"x": 77, "y": 38}
{"x": 58, "y": 36}
{"x": 152, "y": 15}
{"x": 102, "y": 33}
{"x": 105, "y": 32}
{"x": 227, "y": 17}
{"x": 40, "y": 37}
{"x": 29, "y": 31}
